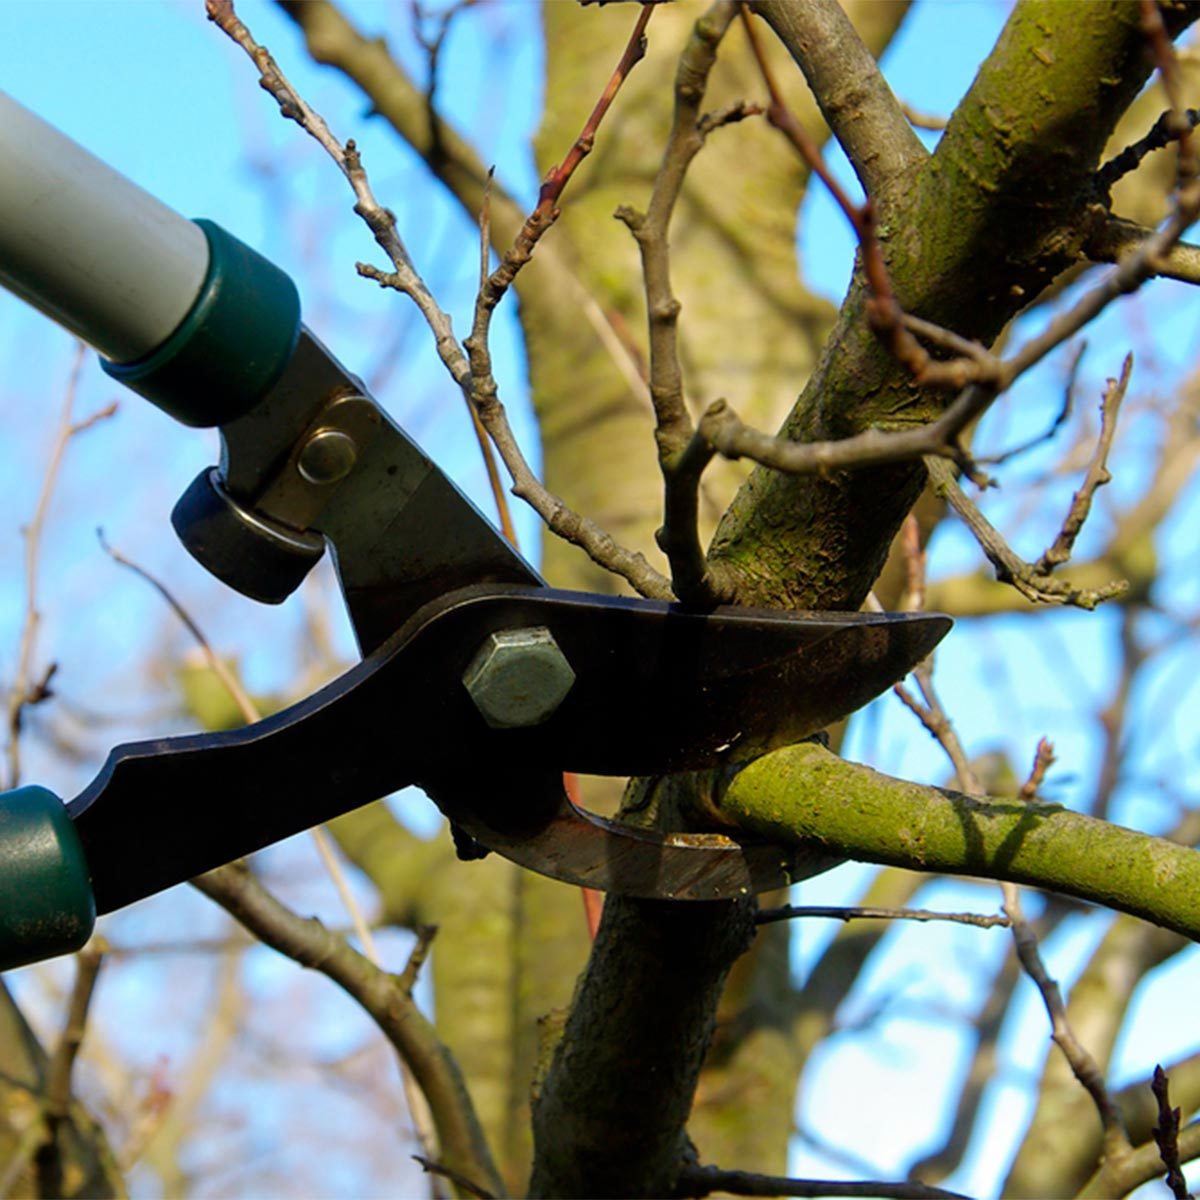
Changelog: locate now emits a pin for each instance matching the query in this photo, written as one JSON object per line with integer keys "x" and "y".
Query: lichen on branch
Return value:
{"x": 804, "y": 794}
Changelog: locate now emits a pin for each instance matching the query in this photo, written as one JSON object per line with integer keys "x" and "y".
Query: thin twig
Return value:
{"x": 1025, "y": 942}
{"x": 1118, "y": 237}
{"x": 682, "y": 456}
{"x": 884, "y": 313}
{"x": 25, "y": 690}
{"x": 482, "y": 387}
{"x": 56, "y": 1103}
{"x": 1166, "y": 1135}
{"x": 404, "y": 278}
{"x": 418, "y": 1104}
{"x": 1043, "y": 760}
{"x": 1064, "y": 413}
{"x": 1097, "y": 475}
{"x": 898, "y": 330}
{"x": 787, "y": 912}
{"x": 721, "y": 426}
{"x": 311, "y": 944}
{"x": 703, "y": 1181}
{"x": 1120, "y": 1176}
{"x": 1083, "y": 1065}
{"x": 1009, "y": 566}
{"x": 432, "y": 45}
{"x": 1160, "y": 135}
{"x": 1178, "y": 123}
{"x": 459, "y": 1180}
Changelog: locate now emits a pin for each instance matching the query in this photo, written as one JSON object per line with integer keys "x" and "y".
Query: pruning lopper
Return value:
{"x": 478, "y": 682}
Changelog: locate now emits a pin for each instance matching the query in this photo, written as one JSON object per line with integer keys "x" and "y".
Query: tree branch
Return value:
{"x": 1120, "y": 1176}
{"x": 804, "y": 795}
{"x": 381, "y": 995}
{"x": 788, "y": 912}
{"x": 662, "y": 967}
{"x": 703, "y": 1181}
{"x": 868, "y": 121}
{"x": 1010, "y": 568}
{"x": 1117, "y": 238}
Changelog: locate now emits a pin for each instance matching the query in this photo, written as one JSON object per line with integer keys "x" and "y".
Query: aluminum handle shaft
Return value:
{"x": 87, "y": 247}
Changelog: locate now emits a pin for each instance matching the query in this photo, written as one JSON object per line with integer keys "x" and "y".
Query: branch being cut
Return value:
{"x": 804, "y": 795}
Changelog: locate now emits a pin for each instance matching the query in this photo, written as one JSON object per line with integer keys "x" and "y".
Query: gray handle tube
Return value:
{"x": 87, "y": 247}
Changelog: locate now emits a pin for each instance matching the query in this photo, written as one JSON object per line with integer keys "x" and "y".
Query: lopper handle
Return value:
{"x": 180, "y": 311}
{"x": 46, "y": 902}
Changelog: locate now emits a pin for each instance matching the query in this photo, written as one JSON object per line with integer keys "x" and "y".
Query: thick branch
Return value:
{"x": 805, "y": 794}
{"x": 609, "y": 1118}
{"x": 855, "y": 99}
{"x": 996, "y": 214}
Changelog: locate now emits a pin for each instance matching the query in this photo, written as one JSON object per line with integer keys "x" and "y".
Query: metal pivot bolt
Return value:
{"x": 518, "y": 677}
{"x": 328, "y": 456}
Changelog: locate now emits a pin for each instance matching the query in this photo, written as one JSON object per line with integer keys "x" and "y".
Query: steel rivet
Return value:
{"x": 327, "y": 456}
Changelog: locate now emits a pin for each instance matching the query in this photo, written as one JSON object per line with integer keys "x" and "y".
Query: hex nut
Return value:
{"x": 518, "y": 677}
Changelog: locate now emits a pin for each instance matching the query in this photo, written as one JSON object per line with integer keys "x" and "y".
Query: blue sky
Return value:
{"x": 149, "y": 86}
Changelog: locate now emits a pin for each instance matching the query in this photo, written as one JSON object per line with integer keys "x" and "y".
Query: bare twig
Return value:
{"x": 1121, "y": 1175}
{"x": 1082, "y": 1065}
{"x": 682, "y": 456}
{"x": 1166, "y": 1135}
{"x": 481, "y": 386}
{"x": 432, "y": 45}
{"x": 481, "y": 437}
{"x": 309, "y": 943}
{"x": 57, "y": 1101}
{"x": 250, "y": 713}
{"x": 1162, "y": 133}
{"x": 477, "y": 385}
{"x": 884, "y": 313}
{"x": 1043, "y": 760}
{"x": 703, "y": 1181}
{"x": 1097, "y": 475}
{"x": 1118, "y": 237}
{"x": 787, "y": 912}
{"x": 1009, "y": 566}
{"x": 1178, "y": 123}
{"x": 721, "y": 426}
{"x": 1064, "y": 413}
{"x": 26, "y": 690}
{"x": 899, "y": 330}
{"x": 459, "y": 1180}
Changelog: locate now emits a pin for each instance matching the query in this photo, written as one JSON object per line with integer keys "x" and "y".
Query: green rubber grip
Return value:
{"x": 230, "y": 348}
{"x": 46, "y": 902}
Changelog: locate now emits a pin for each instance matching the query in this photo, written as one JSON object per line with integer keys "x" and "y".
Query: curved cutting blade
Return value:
{"x": 657, "y": 689}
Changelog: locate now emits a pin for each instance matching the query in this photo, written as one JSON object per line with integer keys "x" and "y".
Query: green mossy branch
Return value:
{"x": 805, "y": 794}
